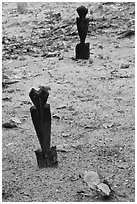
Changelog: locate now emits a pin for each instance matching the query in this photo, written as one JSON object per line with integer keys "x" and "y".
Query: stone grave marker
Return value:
{"x": 82, "y": 49}
{"x": 41, "y": 118}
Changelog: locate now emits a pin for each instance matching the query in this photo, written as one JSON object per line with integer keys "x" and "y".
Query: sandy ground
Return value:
{"x": 92, "y": 101}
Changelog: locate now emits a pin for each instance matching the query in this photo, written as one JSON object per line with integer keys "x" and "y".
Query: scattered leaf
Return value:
{"x": 77, "y": 145}
{"x": 26, "y": 192}
{"x": 108, "y": 125}
{"x": 122, "y": 166}
{"x": 11, "y": 143}
{"x": 9, "y": 124}
{"x": 26, "y": 102}
{"x": 16, "y": 120}
{"x": 83, "y": 193}
{"x": 5, "y": 77}
{"x": 14, "y": 57}
{"x": 127, "y": 34}
{"x": 74, "y": 177}
{"x": 92, "y": 179}
{"x": 7, "y": 99}
{"x": 11, "y": 91}
{"x": 63, "y": 148}
{"x": 10, "y": 82}
{"x": 56, "y": 116}
{"x": 61, "y": 106}
{"x": 100, "y": 46}
{"x": 65, "y": 134}
{"x": 60, "y": 58}
{"x": 51, "y": 54}
{"x": 109, "y": 176}
{"x": 104, "y": 188}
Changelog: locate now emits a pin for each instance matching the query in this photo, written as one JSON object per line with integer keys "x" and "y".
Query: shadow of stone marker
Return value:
{"x": 41, "y": 117}
{"x": 82, "y": 49}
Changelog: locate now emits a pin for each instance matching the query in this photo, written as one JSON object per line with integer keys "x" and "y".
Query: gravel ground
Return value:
{"x": 92, "y": 101}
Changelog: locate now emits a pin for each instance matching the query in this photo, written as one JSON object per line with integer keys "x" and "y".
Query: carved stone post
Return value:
{"x": 82, "y": 49}
{"x": 41, "y": 117}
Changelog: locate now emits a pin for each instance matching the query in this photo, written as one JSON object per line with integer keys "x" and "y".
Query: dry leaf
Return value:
{"x": 104, "y": 188}
{"x": 16, "y": 120}
{"x": 9, "y": 124}
{"x": 92, "y": 179}
{"x": 64, "y": 148}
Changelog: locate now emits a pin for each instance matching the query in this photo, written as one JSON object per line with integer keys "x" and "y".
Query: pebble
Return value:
{"x": 125, "y": 66}
{"x": 21, "y": 58}
{"x": 117, "y": 46}
{"x": 60, "y": 58}
{"x": 100, "y": 46}
{"x": 11, "y": 91}
{"x": 100, "y": 56}
{"x": 90, "y": 61}
{"x": 65, "y": 134}
{"x": 14, "y": 57}
{"x": 52, "y": 54}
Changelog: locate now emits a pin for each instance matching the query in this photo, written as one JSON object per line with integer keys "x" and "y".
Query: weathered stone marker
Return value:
{"x": 82, "y": 49}
{"x": 41, "y": 117}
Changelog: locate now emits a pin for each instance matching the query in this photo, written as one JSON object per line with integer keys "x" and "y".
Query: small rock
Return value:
{"x": 14, "y": 57}
{"x": 74, "y": 177}
{"x": 117, "y": 46}
{"x": 108, "y": 125}
{"x": 34, "y": 55}
{"x": 62, "y": 106}
{"x": 26, "y": 192}
{"x": 64, "y": 148}
{"x": 21, "y": 58}
{"x": 52, "y": 54}
{"x": 60, "y": 58}
{"x": 125, "y": 66}
{"x": 56, "y": 116}
{"x": 77, "y": 145}
{"x": 121, "y": 166}
{"x": 90, "y": 61}
{"x": 100, "y": 56}
{"x": 65, "y": 134}
{"x": 66, "y": 50}
{"x": 25, "y": 102}
{"x": 11, "y": 91}
{"x": 100, "y": 46}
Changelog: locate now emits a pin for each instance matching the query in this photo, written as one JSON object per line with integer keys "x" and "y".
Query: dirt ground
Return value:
{"x": 92, "y": 101}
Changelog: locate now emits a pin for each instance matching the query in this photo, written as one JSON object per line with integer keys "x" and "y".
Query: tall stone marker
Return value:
{"x": 82, "y": 49}
{"x": 41, "y": 118}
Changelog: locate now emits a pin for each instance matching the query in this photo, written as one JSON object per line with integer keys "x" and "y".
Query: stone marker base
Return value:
{"x": 82, "y": 51}
{"x": 47, "y": 160}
